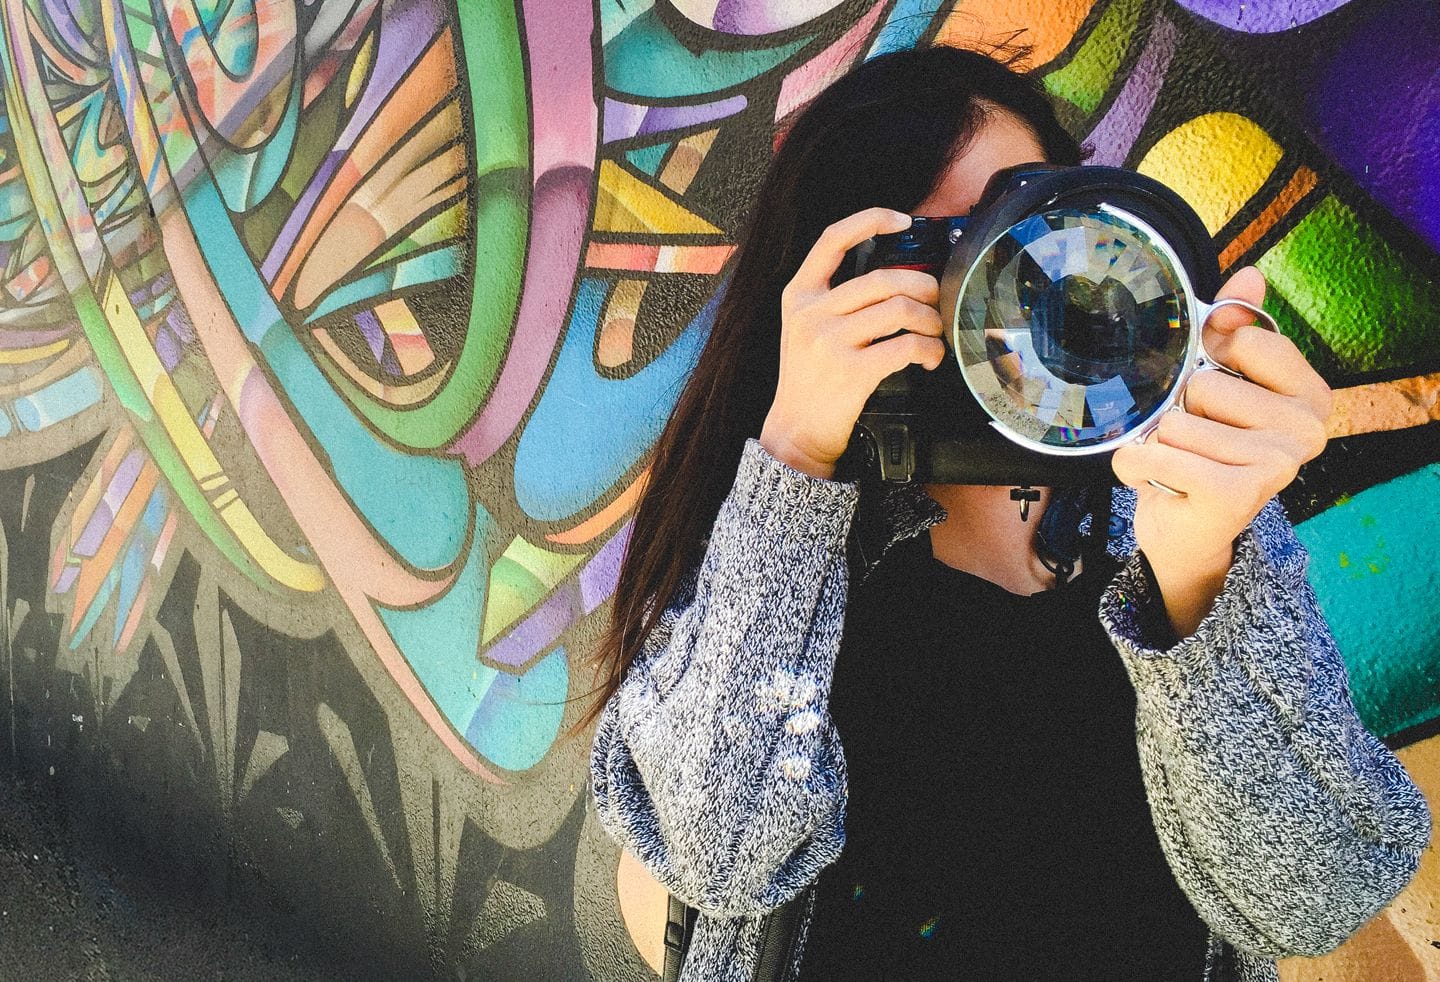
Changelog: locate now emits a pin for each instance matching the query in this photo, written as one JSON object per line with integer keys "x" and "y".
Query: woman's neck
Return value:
{"x": 985, "y": 537}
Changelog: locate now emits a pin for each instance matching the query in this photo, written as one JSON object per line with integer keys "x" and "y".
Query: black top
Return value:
{"x": 997, "y": 825}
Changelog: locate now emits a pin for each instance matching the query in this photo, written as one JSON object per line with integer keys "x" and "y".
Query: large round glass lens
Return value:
{"x": 1073, "y": 327}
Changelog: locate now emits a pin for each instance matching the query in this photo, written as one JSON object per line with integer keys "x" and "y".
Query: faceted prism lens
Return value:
{"x": 1073, "y": 327}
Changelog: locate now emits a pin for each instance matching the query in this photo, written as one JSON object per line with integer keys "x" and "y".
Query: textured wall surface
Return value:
{"x": 334, "y": 334}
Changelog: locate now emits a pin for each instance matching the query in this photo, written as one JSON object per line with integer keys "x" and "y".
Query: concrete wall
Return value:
{"x": 333, "y": 336}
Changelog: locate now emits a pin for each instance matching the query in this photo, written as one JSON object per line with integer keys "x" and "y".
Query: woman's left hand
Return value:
{"x": 1238, "y": 443}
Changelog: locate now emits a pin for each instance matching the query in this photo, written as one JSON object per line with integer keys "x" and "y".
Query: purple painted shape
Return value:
{"x": 66, "y": 580}
{"x": 1115, "y": 135}
{"x": 405, "y": 34}
{"x": 602, "y": 572}
{"x": 538, "y": 631}
{"x": 373, "y": 333}
{"x": 1262, "y": 16}
{"x": 624, "y": 119}
{"x": 168, "y": 347}
{"x": 178, "y": 321}
{"x": 1383, "y": 127}
{"x": 32, "y": 339}
{"x": 62, "y": 19}
{"x": 104, "y": 515}
{"x": 760, "y": 16}
{"x": 565, "y": 122}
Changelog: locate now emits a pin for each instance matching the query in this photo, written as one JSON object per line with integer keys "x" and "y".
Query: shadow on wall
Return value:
{"x": 334, "y": 337}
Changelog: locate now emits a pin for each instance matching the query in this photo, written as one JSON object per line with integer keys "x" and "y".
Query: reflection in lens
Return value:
{"x": 1073, "y": 327}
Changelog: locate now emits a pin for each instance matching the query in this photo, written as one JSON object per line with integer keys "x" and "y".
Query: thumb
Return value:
{"x": 1247, "y": 284}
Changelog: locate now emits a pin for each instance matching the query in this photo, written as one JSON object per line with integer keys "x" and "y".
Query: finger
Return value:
{"x": 887, "y": 357}
{"x": 824, "y": 256}
{"x": 1137, "y": 464}
{"x": 1247, "y": 284}
{"x": 1224, "y": 444}
{"x": 879, "y": 285}
{"x": 1240, "y": 402}
{"x": 1268, "y": 359}
{"x": 885, "y": 318}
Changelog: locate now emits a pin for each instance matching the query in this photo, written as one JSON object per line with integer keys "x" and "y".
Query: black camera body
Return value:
{"x": 928, "y": 426}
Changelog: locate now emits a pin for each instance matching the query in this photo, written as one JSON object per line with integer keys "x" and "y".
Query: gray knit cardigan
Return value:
{"x": 1286, "y": 822}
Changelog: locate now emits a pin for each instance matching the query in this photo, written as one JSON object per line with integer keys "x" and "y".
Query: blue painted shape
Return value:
{"x": 59, "y": 400}
{"x": 516, "y": 723}
{"x": 587, "y": 431}
{"x": 906, "y": 25}
{"x": 1372, "y": 564}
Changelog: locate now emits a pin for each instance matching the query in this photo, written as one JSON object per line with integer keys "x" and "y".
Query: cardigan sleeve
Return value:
{"x": 1286, "y": 822}
{"x": 716, "y": 763}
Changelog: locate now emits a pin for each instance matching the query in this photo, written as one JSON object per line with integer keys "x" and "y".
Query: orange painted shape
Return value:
{"x": 1301, "y": 184}
{"x": 605, "y": 517}
{"x": 433, "y": 78}
{"x": 1394, "y": 405}
{"x": 1046, "y": 25}
{"x": 645, "y": 907}
{"x": 411, "y": 349}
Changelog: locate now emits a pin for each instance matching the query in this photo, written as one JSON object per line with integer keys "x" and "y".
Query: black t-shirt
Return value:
{"x": 997, "y": 824}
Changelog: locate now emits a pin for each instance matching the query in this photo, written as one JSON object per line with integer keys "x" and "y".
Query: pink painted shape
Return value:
{"x": 805, "y": 82}
{"x": 566, "y": 125}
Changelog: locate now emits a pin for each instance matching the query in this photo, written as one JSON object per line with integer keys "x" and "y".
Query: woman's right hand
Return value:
{"x": 828, "y": 364}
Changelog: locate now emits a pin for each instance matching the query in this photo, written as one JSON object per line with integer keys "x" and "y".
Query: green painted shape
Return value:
{"x": 1294, "y": 327}
{"x": 1373, "y": 568}
{"x": 1367, "y": 303}
{"x": 649, "y": 158}
{"x": 646, "y": 60}
{"x": 106, "y": 348}
{"x": 513, "y": 591}
{"x": 520, "y": 579}
{"x": 1084, "y": 81}
{"x": 439, "y": 227}
{"x": 499, "y": 221}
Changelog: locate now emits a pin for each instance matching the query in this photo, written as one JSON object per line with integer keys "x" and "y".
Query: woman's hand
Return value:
{"x": 828, "y": 365}
{"x": 1239, "y": 442}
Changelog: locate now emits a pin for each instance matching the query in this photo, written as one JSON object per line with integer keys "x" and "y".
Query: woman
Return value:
{"x": 940, "y": 756}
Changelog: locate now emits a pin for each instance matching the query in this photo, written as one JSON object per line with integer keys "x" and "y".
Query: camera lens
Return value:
{"x": 1073, "y": 326}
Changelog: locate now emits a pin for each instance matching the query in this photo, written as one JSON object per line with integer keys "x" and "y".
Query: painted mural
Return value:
{"x": 334, "y": 335}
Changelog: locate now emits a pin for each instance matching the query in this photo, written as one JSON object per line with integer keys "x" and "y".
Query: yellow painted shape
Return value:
{"x": 200, "y": 459}
{"x": 359, "y": 70}
{"x": 1216, "y": 162}
{"x": 19, "y": 356}
{"x": 412, "y": 351}
{"x": 627, "y": 204}
{"x": 1046, "y": 25}
{"x": 502, "y": 605}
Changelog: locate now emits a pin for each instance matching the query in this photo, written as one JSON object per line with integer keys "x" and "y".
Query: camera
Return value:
{"x": 1071, "y": 300}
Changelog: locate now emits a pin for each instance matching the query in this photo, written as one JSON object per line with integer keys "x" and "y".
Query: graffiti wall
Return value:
{"x": 334, "y": 335}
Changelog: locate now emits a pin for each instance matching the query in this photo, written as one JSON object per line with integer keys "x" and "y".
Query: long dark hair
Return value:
{"x": 881, "y": 135}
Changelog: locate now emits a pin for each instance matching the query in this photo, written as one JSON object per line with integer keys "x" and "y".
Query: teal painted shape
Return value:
{"x": 648, "y": 158}
{"x": 418, "y": 503}
{"x": 516, "y": 723}
{"x": 646, "y": 60}
{"x": 1372, "y": 564}
{"x": 441, "y": 640}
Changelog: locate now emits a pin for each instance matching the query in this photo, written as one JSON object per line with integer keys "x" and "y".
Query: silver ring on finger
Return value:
{"x": 1166, "y": 488}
